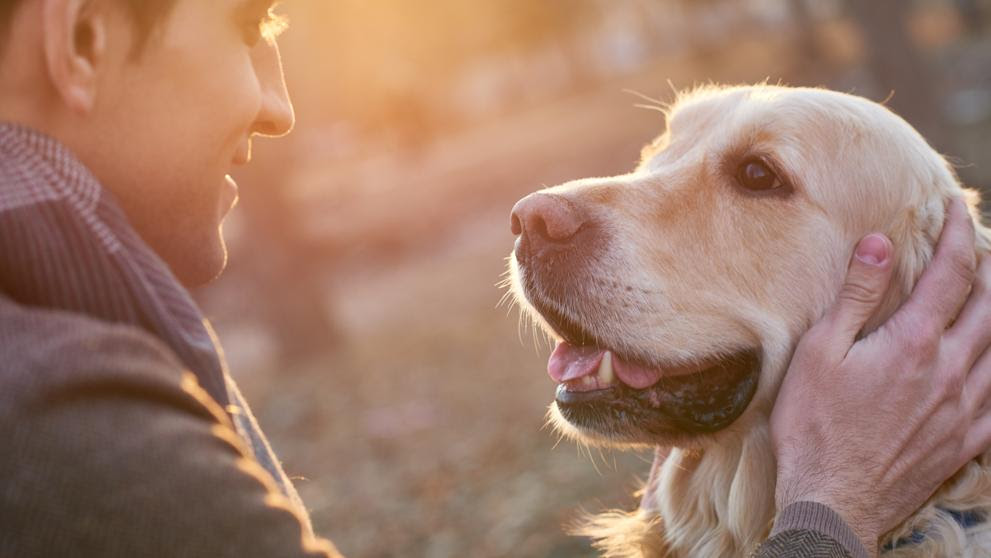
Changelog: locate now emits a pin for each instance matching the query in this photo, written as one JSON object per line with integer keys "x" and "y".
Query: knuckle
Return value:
{"x": 952, "y": 379}
{"x": 922, "y": 345}
{"x": 951, "y": 375}
{"x": 964, "y": 265}
{"x": 925, "y": 350}
{"x": 859, "y": 293}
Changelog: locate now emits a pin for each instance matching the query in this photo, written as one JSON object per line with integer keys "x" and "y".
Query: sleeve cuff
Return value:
{"x": 820, "y": 518}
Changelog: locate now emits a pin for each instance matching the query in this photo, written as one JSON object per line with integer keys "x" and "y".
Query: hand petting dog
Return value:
{"x": 872, "y": 427}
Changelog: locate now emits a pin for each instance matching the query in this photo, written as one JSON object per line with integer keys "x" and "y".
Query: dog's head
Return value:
{"x": 677, "y": 292}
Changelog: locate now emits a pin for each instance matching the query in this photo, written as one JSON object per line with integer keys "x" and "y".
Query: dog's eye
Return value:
{"x": 754, "y": 174}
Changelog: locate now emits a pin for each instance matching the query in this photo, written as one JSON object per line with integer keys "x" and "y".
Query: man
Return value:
{"x": 123, "y": 434}
{"x": 127, "y": 437}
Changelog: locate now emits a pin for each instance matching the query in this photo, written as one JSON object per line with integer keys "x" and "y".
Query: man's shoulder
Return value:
{"x": 102, "y": 427}
{"x": 42, "y": 348}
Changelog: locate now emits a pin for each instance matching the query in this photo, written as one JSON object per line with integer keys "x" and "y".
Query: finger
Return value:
{"x": 866, "y": 282}
{"x": 971, "y": 333}
{"x": 978, "y": 438}
{"x": 943, "y": 287}
{"x": 977, "y": 386}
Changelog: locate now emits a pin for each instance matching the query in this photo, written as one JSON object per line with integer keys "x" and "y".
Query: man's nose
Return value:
{"x": 275, "y": 116}
{"x": 543, "y": 219}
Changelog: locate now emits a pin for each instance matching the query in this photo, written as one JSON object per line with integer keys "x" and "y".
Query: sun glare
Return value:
{"x": 274, "y": 23}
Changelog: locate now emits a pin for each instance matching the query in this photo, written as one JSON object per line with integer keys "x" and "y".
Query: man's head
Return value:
{"x": 159, "y": 98}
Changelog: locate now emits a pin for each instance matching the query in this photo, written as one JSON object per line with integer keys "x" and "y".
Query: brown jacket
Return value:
{"x": 111, "y": 449}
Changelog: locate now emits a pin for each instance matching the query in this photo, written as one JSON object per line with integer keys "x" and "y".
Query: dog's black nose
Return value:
{"x": 545, "y": 218}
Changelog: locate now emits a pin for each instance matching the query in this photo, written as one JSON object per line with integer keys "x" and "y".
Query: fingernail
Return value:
{"x": 872, "y": 249}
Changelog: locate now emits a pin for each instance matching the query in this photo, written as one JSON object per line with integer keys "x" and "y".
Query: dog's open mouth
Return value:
{"x": 601, "y": 391}
{"x": 629, "y": 396}
{"x": 608, "y": 392}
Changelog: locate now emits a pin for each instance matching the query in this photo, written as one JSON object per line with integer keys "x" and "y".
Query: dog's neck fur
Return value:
{"x": 704, "y": 507}
{"x": 711, "y": 509}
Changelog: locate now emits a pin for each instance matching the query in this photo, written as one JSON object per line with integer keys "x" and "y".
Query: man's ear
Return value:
{"x": 75, "y": 43}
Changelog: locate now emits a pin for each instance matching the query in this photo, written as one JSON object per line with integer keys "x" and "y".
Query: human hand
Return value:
{"x": 872, "y": 428}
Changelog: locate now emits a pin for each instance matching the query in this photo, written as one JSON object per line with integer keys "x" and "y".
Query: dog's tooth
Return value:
{"x": 605, "y": 369}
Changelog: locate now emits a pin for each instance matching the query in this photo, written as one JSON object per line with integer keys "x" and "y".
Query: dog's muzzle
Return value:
{"x": 558, "y": 250}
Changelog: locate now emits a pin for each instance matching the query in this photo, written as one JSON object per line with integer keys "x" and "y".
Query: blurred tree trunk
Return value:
{"x": 898, "y": 68}
{"x": 806, "y": 37}
{"x": 809, "y": 64}
{"x": 972, "y": 13}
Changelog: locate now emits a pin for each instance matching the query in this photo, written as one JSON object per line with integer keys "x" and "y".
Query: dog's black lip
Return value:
{"x": 567, "y": 397}
{"x": 705, "y": 401}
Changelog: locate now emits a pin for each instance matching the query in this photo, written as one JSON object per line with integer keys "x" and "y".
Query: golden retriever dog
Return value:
{"x": 677, "y": 293}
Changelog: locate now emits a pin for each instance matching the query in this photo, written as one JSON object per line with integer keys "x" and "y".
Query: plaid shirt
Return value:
{"x": 65, "y": 244}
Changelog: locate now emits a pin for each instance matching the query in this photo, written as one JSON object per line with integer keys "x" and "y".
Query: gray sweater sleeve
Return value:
{"x": 810, "y": 529}
{"x": 110, "y": 450}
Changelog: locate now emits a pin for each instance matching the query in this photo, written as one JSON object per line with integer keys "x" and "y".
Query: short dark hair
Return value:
{"x": 147, "y": 15}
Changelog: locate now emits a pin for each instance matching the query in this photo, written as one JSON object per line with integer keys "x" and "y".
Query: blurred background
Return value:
{"x": 360, "y": 310}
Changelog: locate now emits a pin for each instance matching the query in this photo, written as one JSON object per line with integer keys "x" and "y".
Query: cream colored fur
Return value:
{"x": 713, "y": 269}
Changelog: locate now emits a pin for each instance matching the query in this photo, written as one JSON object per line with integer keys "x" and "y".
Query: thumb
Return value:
{"x": 866, "y": 282}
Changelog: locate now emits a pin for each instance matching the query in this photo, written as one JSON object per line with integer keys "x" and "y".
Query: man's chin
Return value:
{"x": 197, "y": 265}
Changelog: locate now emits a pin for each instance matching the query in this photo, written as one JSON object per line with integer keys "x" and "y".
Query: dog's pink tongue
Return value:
{"x": 568, "y": 362}
{"x": 634, "y": 375}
